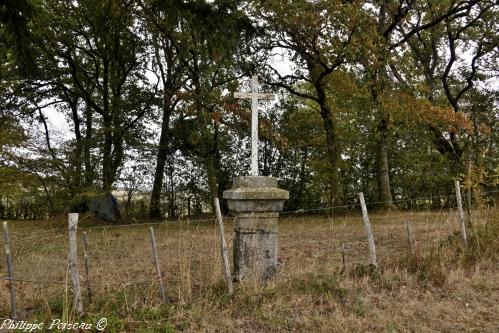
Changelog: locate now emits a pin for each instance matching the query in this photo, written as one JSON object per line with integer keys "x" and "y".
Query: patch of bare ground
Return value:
{"x": 433, "y": 284}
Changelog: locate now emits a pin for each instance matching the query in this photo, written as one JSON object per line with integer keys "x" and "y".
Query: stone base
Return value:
{"x": 255, "y": 246}
{"x": 255, "y": 201}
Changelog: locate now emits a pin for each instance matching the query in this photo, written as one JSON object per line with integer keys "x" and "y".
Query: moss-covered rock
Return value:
{"x": 101, "y": 203}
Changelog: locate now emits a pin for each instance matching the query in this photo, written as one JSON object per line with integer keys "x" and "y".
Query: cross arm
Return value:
{"x": 251, "y": 95}
{"x": 242, "y": 95}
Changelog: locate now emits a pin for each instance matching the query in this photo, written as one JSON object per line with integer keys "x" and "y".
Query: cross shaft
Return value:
{"x": 254, "y": 95}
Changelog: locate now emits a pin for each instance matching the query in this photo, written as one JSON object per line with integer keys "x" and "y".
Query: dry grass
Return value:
{"x": 440, "y": 287}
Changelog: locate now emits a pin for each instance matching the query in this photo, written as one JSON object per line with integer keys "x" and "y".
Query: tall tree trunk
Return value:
{"x": 171, "y": 73}
{"x": 172, "y": 211}
{"x": 316, "y": 73}
{"x": 163, "y": 149}
{"x": 303, "y": 176}
{"x": 89, "y": 172}
{"x": 382, "y": 170}
{"x": 107, "y": 178}
{"x": 79, "y": 145}
{"x": 113, "y": 144}
{"x": 380, "y": 80}
{"x": 336, "y": 194}
{"x": 117, "y": 156}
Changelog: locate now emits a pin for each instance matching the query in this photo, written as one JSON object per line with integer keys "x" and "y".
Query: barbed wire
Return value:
{"x": 110, "y": 227}
{"x": 151, "y": 280}
{"x": 125, "y": 284}
{"x": 213, "y": 219}
{"x": 30, "y": 239}
{"x": 22, "y": 240}
{"x": 146, "y": 224}
{"x": 58, "y": 233}
{"x": 33, "y": 281}
{"x": 378, "y": 203}
{"x": 131, "y": 283}
{"x": 115, "y": 260}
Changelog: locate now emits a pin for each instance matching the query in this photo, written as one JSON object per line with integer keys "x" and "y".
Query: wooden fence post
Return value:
{"x": 10, "y": 271}
{"x": 156, "y": 264}
{"x": 367, "y": 226}
{"x": 343, "y": 262}
{"x": 73, "y": 263}
{"x": 228, "y": 276}
{"x": 461, "y": 212}
{"x": 87, "y": 266}
{"x": 410, "y": 238}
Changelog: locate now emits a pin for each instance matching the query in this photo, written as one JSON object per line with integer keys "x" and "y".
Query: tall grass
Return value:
{"x": 313, "y": 291}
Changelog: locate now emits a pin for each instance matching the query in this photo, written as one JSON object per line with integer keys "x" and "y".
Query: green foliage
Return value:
{"x": 362, "y": 270}
{"x": 355, "y": 88}
{"x": 18, "y": 33}
{"x": 11, "y": 133}
{"x": 79, "y": 202}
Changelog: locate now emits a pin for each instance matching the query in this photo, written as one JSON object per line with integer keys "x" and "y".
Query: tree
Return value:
{"x": 447, "y": 75}
{"x": 104, "y": 58}
{"x": 384, "y": 42}
{"x": 319, "y": 38}
{"x": 19, "y": 21}
{"x": 162, "y": 20}
{"x": 194, "y": 46}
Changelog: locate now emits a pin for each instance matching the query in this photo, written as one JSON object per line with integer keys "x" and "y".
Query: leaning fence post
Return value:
{"x": 461, "y": 212}
{"x": 228, "y": 276}
{"x": 87, "y": 266}
{"x": 10, "y": 270}
{"x": 73, "y": 263}
{"x": 367, "y": 226}
{"x": 156, "y": 264}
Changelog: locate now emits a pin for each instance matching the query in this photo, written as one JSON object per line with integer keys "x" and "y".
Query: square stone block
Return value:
{"x": 255, "y": 201}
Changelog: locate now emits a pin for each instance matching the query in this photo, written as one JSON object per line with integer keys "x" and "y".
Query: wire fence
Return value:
{"x": 327, "y": 210}
{"x": 120, "y": 256}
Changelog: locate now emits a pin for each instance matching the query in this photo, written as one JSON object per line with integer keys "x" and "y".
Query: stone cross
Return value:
{"x": 254, "y": 96}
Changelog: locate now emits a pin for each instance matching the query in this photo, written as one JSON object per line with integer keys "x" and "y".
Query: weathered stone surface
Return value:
{"x": 262, "y": 193}
{"x": 254, "y": 182}
{"x": 257, "y": 222}
{"x": 256, "y": 202}
{"x": 255, "y": 205}
{"x": 255, "y": 255}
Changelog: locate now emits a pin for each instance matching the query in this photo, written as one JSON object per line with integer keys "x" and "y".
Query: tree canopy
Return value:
{"x": 395, "y": 98}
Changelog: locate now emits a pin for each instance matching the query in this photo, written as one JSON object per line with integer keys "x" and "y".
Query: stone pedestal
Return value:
{"x": 255, "y": 201}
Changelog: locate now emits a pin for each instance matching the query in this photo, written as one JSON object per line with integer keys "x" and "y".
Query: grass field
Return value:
{"x": 439, "y": 287}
